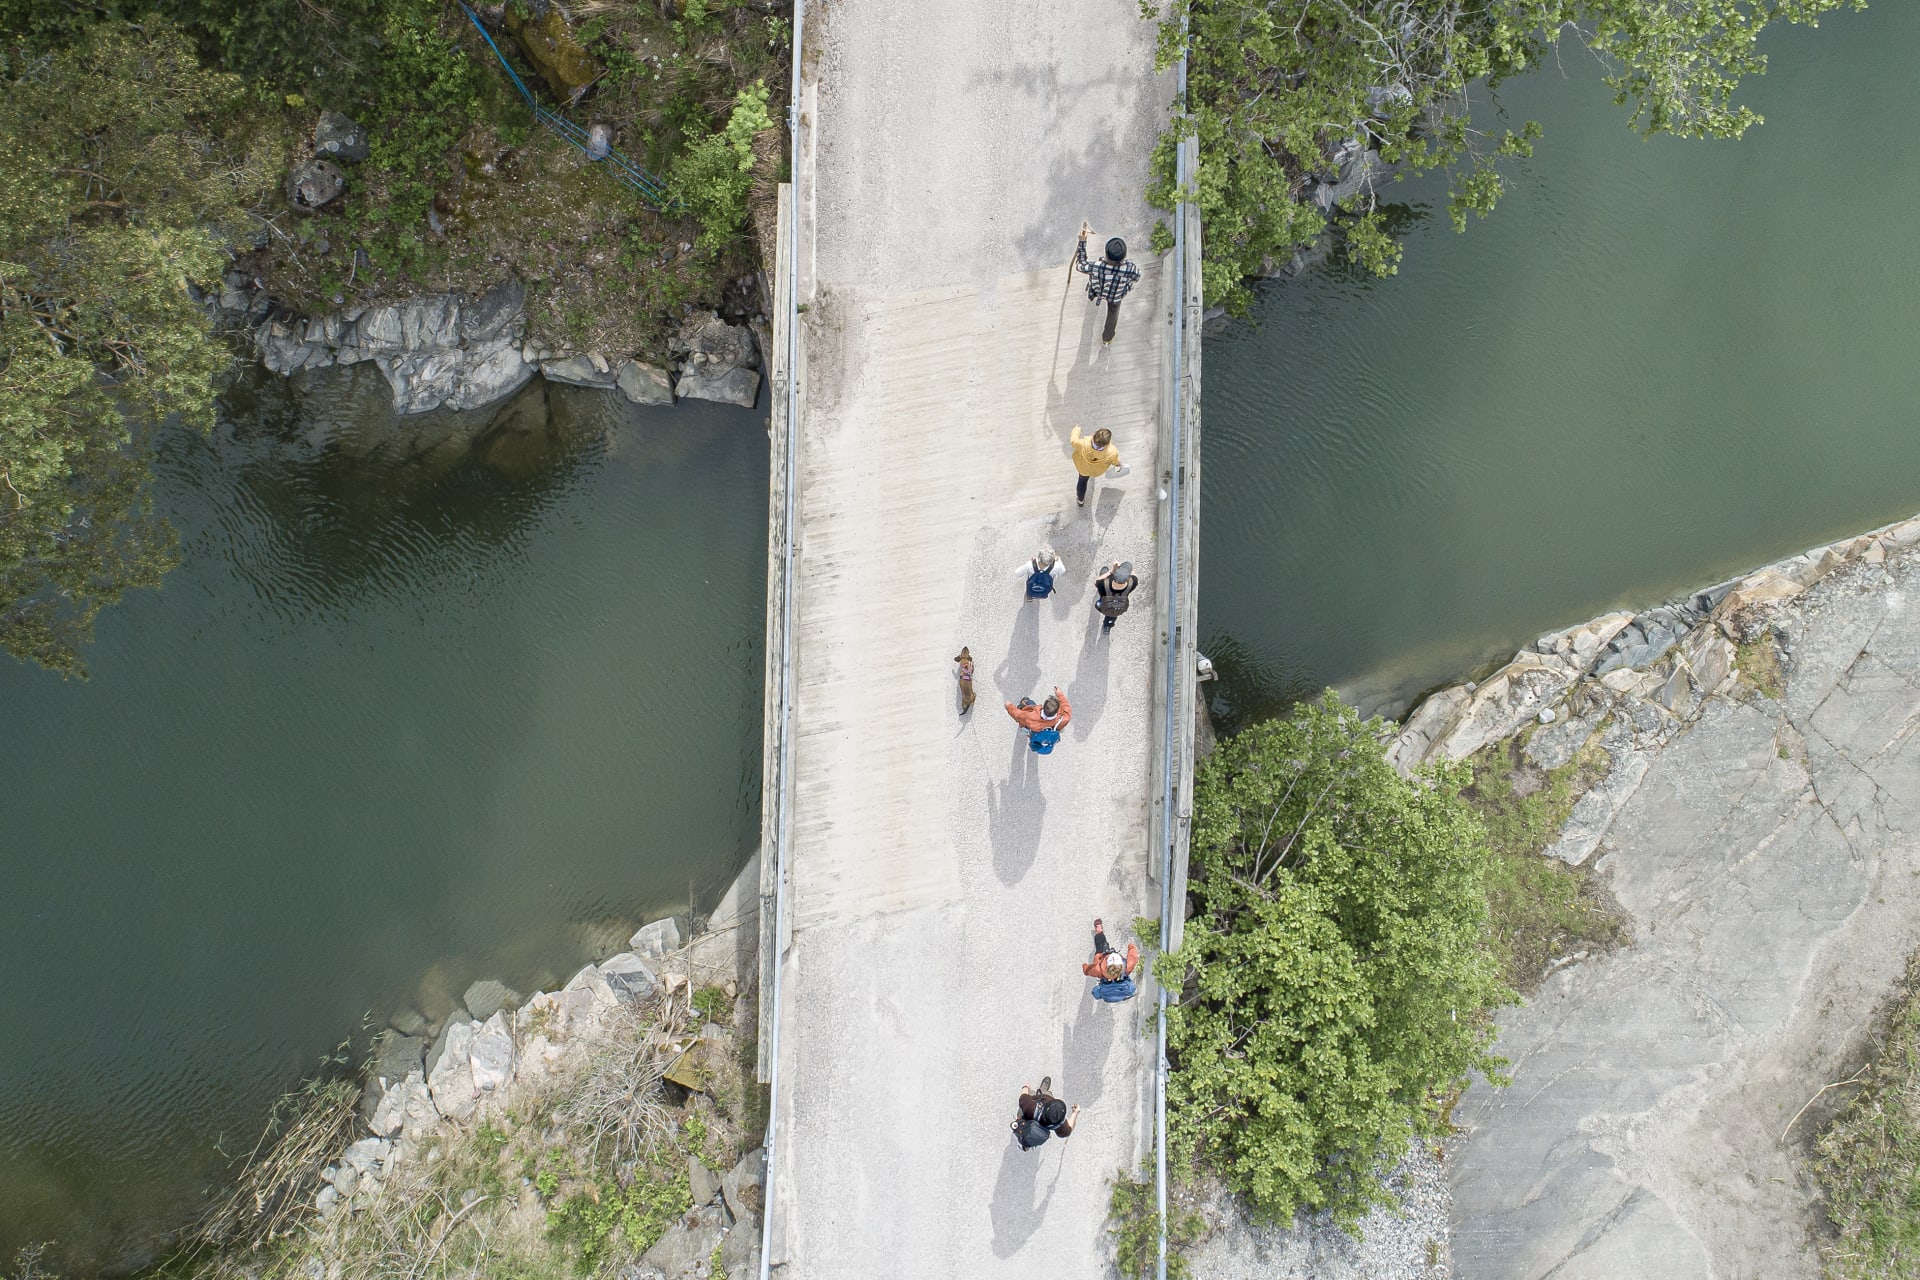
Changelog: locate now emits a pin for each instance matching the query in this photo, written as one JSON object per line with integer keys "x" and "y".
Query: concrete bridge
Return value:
{"x": 929, "y": 883}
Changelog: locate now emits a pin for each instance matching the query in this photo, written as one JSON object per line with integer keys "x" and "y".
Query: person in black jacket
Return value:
{"x": 1111, "y": 590}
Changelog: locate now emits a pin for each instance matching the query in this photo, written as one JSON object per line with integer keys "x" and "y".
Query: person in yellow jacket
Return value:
{"x": 1092, "y": 456}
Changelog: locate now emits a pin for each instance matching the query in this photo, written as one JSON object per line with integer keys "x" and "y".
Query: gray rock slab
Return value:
{"x": 736, "y": 386}
{"x": 702, "y": 1182}
{"x": 1553, "y": 745}
{"x": 743, "y": 1185}
{"x": 643, "y": 384}
{"x": 488, "y": 996}
{"x": 395, "y": 1056}
{"x": 337, "y": 137}
{"x": 576, "y": 371}
{"x": 1767, "y": 862}
{"x": 629, "y": 976}
{"x": 676, "y": 1253}
{"x": 651, "y": 942}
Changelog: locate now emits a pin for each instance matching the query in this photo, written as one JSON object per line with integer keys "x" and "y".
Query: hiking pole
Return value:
{"x": 1085, "y": 229}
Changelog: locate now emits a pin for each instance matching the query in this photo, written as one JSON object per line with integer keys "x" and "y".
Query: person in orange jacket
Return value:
{"x": 1043, "y": 722}
{"x": 1114, "y": 974}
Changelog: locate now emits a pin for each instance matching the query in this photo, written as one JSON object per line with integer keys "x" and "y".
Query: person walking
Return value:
{"x": 1040, "y": 1116}
{"x": 1113, "y": 971}
{"x": 1043, "y": 722}
{"x": 1093, "y": 456}
{"x": 1040, "y": 572}
{"x": 1111, "y": 591}
{"x": 1108, "y": 280}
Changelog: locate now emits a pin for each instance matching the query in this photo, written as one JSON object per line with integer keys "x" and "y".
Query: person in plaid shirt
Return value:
{"x": 1108, "y": 280}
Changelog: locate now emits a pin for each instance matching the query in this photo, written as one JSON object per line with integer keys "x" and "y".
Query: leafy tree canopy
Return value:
{"x": 1276, "y": 87}
{"x": 125, "y": 167}
{"x": 1335, "y": 974}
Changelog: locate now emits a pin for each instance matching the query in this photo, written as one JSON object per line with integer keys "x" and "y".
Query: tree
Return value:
{"x": 125, "y": 169}
{"x": 1279, "y": 88}
{"x": 712, "y": 176}
{"x": 1335, "y": 975}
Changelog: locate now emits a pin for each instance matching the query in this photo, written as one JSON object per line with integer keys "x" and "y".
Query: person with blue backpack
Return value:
{"x": 1040, "y": 572}
{"x": 1043, "y": 721}
{"x": 1113, "y": 971}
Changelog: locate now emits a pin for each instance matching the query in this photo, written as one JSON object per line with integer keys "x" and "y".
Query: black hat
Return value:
{"x": 1116, "y": 250}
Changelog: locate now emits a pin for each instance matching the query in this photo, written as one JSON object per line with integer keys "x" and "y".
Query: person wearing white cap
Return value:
{"x": 1111, "y": 590}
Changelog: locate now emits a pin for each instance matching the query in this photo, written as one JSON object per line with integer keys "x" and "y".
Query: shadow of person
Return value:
{"x": 1016, "y": 1212}
{"x": 1016, "y": 810}
{"x": 1106, "y": 505}
{"x": 1019, "y": 671}
{"x": 1088, "y": 689}
{"x": 1085, "y": 1045}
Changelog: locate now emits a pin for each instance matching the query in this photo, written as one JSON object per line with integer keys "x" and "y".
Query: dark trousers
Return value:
{"x": 1113, "y": 318}
{"x": 1080, "y": 490}
{"x": 1100, "y": 947}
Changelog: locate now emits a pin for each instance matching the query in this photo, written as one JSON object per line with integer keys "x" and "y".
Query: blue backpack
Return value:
{"x": 1114, "y": 992}
{"x": 1039, "y": 584}
{"x": 1043, "y": 740}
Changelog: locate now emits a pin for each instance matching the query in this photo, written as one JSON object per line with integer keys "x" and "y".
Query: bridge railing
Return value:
{"x": 1176, "y": 659}
{"x": 776, "y": 803}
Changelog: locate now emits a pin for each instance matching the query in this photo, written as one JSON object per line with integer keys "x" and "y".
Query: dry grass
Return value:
{"x": 280, "y": 1176}
{"x": 617, "y": 1108}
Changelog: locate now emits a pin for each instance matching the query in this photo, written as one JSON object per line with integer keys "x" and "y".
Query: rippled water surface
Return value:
{"x": 1658, "y": 363}
{"x": 387, "y": 730}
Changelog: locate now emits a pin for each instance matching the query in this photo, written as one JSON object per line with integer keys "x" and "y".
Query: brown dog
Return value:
{"x": 964, "y": 673}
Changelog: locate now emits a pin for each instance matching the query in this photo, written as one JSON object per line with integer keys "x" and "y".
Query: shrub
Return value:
{"x": 712, "y": 176}
{"x": 1336, "y": 974}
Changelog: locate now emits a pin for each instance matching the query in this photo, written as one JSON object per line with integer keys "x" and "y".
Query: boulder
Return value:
{"x": 735, "y": 386}
{"x": 652, "y": 942}
{"x": 577, "y": 371}
{"x": 408, "y": 1021}
{"x": 487, "y": 997}
{"x": 1431, "y": 721}
{"x": 643, "y": 384}
{"x": 405, "y": 1107}
{"x": 629, "y": 976}
{"x": 740, "y": 1251}
{"x": 395, "y": 1057}
{"x": 701, "y": 1181}
{"x": 709, "y": 345}
{"x": 490, "y": 1056}
{"x": 450, "y": 1076}
{"x": 367, "y": 1157}
{"x": 553, "y": 50}
{"x": 743, "y": 1185}
{"x": 713, "y": 959}
{"x": 687, "y": 1243}
{"x": 314, "y": 183}
{"x": 337, "y": 137}
{"x": 1509, "y": 699}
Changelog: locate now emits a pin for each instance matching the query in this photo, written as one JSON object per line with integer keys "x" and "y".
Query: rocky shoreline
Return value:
{"x": 458, "y": 352}
{"x": 1641, "y": 684}
{"x": 496, "y": 1061}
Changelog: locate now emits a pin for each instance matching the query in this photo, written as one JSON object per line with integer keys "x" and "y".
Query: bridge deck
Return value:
{"x": 942, "y": 879}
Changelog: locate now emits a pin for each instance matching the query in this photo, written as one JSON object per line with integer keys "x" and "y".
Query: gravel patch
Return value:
{"x": 1405, "y": 1242}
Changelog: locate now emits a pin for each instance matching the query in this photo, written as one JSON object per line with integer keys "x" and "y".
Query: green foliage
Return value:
{"x": 641, "y": 1211}
{"x": 1133, "y": 1220}
{"x": 1540, "y": 908}
{"x": 125, "y": 168}
{"x": 712, "y": 1003}
{"x": 1334, "y": 976}
{"x": 712, "y": 176}
{"x": 1868, "y": 1160}
{"x": 1277, "y": 86}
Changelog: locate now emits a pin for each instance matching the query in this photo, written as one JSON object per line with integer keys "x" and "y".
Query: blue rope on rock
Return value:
{"x": 651, "y": 189}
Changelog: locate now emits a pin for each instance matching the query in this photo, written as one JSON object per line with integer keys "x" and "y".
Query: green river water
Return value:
{"x": 380, "y": 737}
